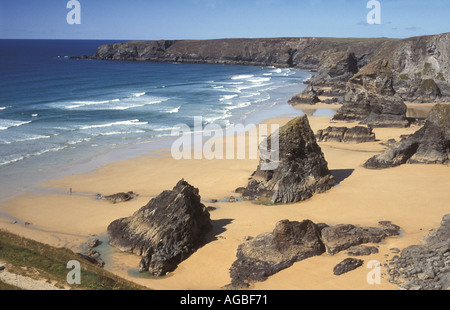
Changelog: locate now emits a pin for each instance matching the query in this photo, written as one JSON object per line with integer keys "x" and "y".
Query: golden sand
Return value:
{"x": 415, "y": 197}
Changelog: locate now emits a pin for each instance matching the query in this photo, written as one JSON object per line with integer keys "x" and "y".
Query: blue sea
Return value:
{"x": 60, "y": 115}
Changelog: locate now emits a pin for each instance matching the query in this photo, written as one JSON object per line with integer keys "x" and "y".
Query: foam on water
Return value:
{"x": 119, "y": 123}
{"x": 72, "y": 123}
{"x": 6, "y": 124}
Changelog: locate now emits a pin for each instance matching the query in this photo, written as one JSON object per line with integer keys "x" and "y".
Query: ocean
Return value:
{"x": 60, "y": 116}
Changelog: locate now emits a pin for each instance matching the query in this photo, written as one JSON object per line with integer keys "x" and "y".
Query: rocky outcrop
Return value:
{"x": 347, "y": 265}
{"x": 92, "y": 255}
{"x": 362, "y": 250}
{"x": 371, "y": 98}
{"x": 119, "y": 197}
{"x": 166, "y": 231}
{"x": 334, "y": 71}
{"x": 424, "y": 91}
{"x": 309, "y": 96}
{"x": 262, "y": 256}
{"x": 429, "y": 145}
{"x": 342, "y": 237}
{"x": 302, "y": 170}
{"x": 418, "y": 61}
{"x": 358, "y": 134}
{"x": 425, "y": 266}
{"x": 291, "y": 241}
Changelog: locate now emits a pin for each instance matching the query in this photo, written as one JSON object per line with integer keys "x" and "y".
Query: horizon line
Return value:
{"x": 227, "y": 38}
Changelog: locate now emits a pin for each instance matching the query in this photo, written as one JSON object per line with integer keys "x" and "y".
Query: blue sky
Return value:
{"x": 212, "y": 19}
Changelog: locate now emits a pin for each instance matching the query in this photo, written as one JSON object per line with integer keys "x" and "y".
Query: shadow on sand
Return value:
{"x": 218, "y": 228}
{"x": 341, "y": 174}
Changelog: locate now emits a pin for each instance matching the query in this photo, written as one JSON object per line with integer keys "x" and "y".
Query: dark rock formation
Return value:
{"x": 309, "y": 96}
{"x": 93, "y": 242}
{"x": 429, "y": 145}
{"x": 291, "y": 241}
{"x": 358, "y": 134}
{"x": 334, "y": 71}
{"x": 93, "y": 257}
{"x": 267, "y": 254}
{"x": 166, "y": 231}
{"x": 424, "y": 91}
{"x": 371, "y": 98}
{"x": 302, "y": 170}
{"x": 425, "y": 266}
{"x": 362, "y": 250}
{"x": 342, "y": 237}
{"x": 120, "y": 197}
{"x": 347, "y": 265}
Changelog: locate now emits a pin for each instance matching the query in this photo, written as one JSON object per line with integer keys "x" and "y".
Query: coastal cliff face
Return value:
{"x": 420, "y": 65}
{"x": 306, "y": 53}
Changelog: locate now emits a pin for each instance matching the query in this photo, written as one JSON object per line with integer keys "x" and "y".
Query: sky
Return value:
{"x": 216, "y": 19}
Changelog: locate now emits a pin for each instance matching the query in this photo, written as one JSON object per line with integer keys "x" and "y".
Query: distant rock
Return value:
{"x": 371, "y": 99}
{"x": 342, "y": 237}
{"x": 267, "y": 254}
{"x": 334, "y": 71}
{"x": 166, "y": 231}
{"x": 309, "y": 96}
{"x": 302, "y": 170}
{"x": 120, "y": 197}
{"x": 429, "y": 145}
{"x": 347, "y": 265}
{"x": 358, "y": 134}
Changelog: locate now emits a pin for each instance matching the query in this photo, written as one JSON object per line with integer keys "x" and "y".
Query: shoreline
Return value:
{"x": 27, "y": 176}
{"x": 363, "y": 197}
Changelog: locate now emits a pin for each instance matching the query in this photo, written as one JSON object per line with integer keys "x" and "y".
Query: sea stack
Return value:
{"x": 166, "y": 231}
{"x": 302, "y": 170}
{"x": 429, "y": 145}
{"x": 371, "y": 98}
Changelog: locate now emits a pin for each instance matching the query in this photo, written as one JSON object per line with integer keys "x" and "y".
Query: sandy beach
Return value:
{"x": 415, "y": 197}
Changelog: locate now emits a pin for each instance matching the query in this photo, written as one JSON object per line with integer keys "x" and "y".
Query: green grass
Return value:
{"x": 41, "y": 261}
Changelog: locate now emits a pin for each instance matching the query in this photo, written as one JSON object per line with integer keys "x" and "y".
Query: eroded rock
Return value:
{"x": 358, "y": 134}
{"x": 342, "y": 237}
{"x": 120, "y": 197}
{"x": 429, "y": 145}
{"x": 347, "y": 265}
{"x": 302, "y": 170}
{"x": 292, "y": 241}
{"x": 371, "y": 98}
{"x": 166, "y": 231}
{"x": 267, "y": 254}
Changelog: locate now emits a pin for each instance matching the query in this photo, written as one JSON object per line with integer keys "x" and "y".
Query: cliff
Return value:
{"x": 420, "y": 65}
{"x": 305, "y": 53}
